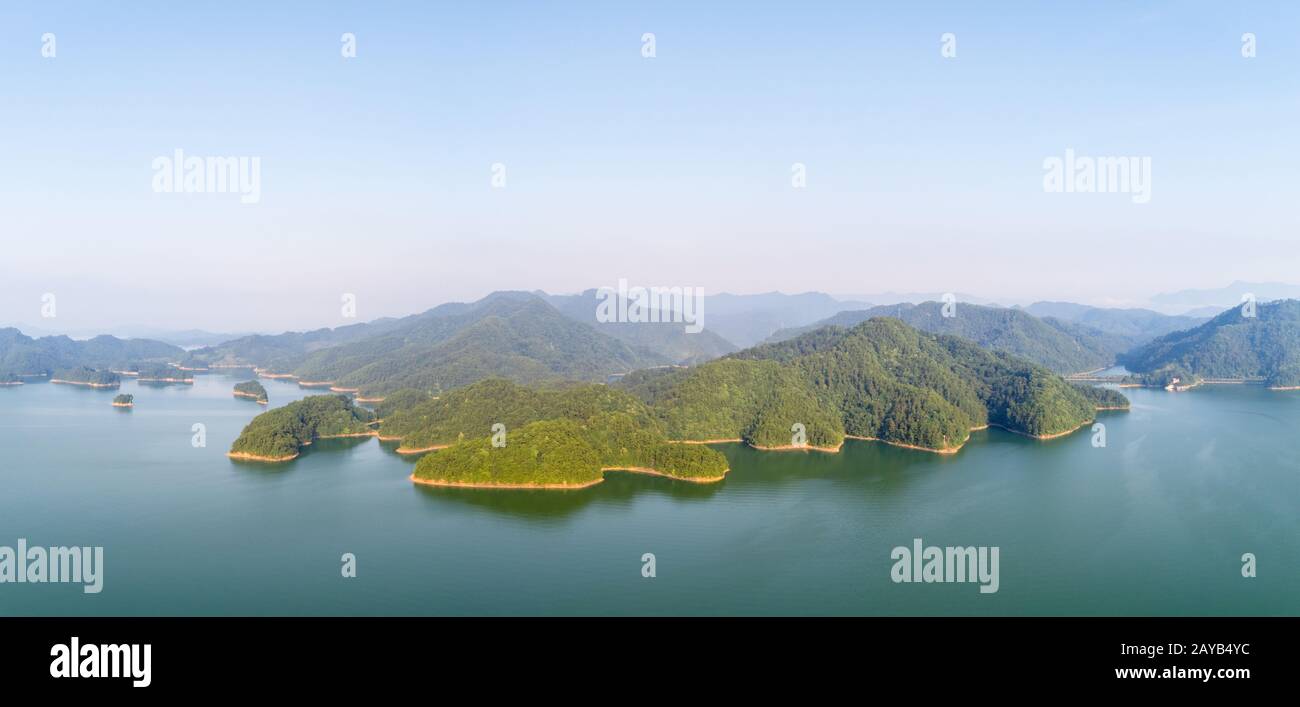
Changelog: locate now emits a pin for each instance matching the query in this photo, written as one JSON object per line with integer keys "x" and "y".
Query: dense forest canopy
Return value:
{"x": 1127, "y": 328}
{"x": 1057, "y": 345}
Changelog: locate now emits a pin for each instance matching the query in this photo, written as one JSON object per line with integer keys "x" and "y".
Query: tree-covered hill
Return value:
{"x": 1062, "y": 348}
{"x": 526, "y": 341}
{"x": 279, "y": 434}
{"x": 472, "y": 411}
{"x": 882, "y": 379}
{"x": 1130, "y": 327}
{"x": 565, "y": 453}
{"x": 1229, "y": 346}
{"x": 251, "y": 389}
{"x": 758, "y": 402}
{"x": 552, "y": 435}
{"x": 508, "y": 334}
{"x": 161, "y": 373}
{"x": 84, "y": 375}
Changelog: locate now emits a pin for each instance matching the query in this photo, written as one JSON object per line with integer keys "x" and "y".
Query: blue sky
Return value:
{"x": 924, "y": 172}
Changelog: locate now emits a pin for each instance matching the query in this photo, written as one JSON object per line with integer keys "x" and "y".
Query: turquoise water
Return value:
{"x": 1153, "y": 523}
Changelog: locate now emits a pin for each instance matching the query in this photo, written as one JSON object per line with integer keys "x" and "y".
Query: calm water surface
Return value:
{"x": 1153, "y": 523}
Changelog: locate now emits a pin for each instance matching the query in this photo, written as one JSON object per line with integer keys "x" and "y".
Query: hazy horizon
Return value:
{"x": 924, "y": 172}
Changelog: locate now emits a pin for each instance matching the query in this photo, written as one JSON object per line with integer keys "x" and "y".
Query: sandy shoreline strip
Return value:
{"x": 570, "y": 487}
{"x": 421, "y": 450}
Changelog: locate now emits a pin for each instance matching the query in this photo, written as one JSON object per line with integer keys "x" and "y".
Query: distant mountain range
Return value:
{"x": 1132, "y": 326}
{"x": 745, "y": 320}
{"x": 22, "y": 355}
{"x": 1224, "y": 297}
{"x": 530, "y": 337}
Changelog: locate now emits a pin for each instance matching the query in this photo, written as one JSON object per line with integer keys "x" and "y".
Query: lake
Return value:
{"x": 1153, "y": 523}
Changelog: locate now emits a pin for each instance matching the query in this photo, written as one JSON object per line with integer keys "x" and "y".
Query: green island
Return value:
{"x": 252, "y": 390}
{"x": 90, "y": 377}
{"x": 124, "y": 400}
{"x": 162, "y": 373}
{"x": 1237, "y": 346}
{"x": 881, "y": 380}
{"x": 280, "y": 434}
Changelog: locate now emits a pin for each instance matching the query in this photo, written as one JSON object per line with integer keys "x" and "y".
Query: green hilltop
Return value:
{"x": 879, "y": 380}
{"x": 280, "y": 434}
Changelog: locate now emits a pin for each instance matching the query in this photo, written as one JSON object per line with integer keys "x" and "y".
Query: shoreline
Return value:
{"x": 569, "y": 487}
{"x": 123, "y": 405}
{"x": 87, "y": 384}
{"x": 371, "y": 433}
{"x": 251, "y": 396}
{"x": 801, "y": 448}
{"x": 904, "y": 445}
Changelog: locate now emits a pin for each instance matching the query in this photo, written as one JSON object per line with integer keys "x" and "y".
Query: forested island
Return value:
{"x": 124, "y": 400}
{"x": 880, "y": 380}
{"x": 45, "y": 356}
{"x": 163, "y": 373}
{"x": 10, "y": 379}
{"x": 252, "y": 390}
{"x": 86, "y": 376}
{"x": 280, "y": 434}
